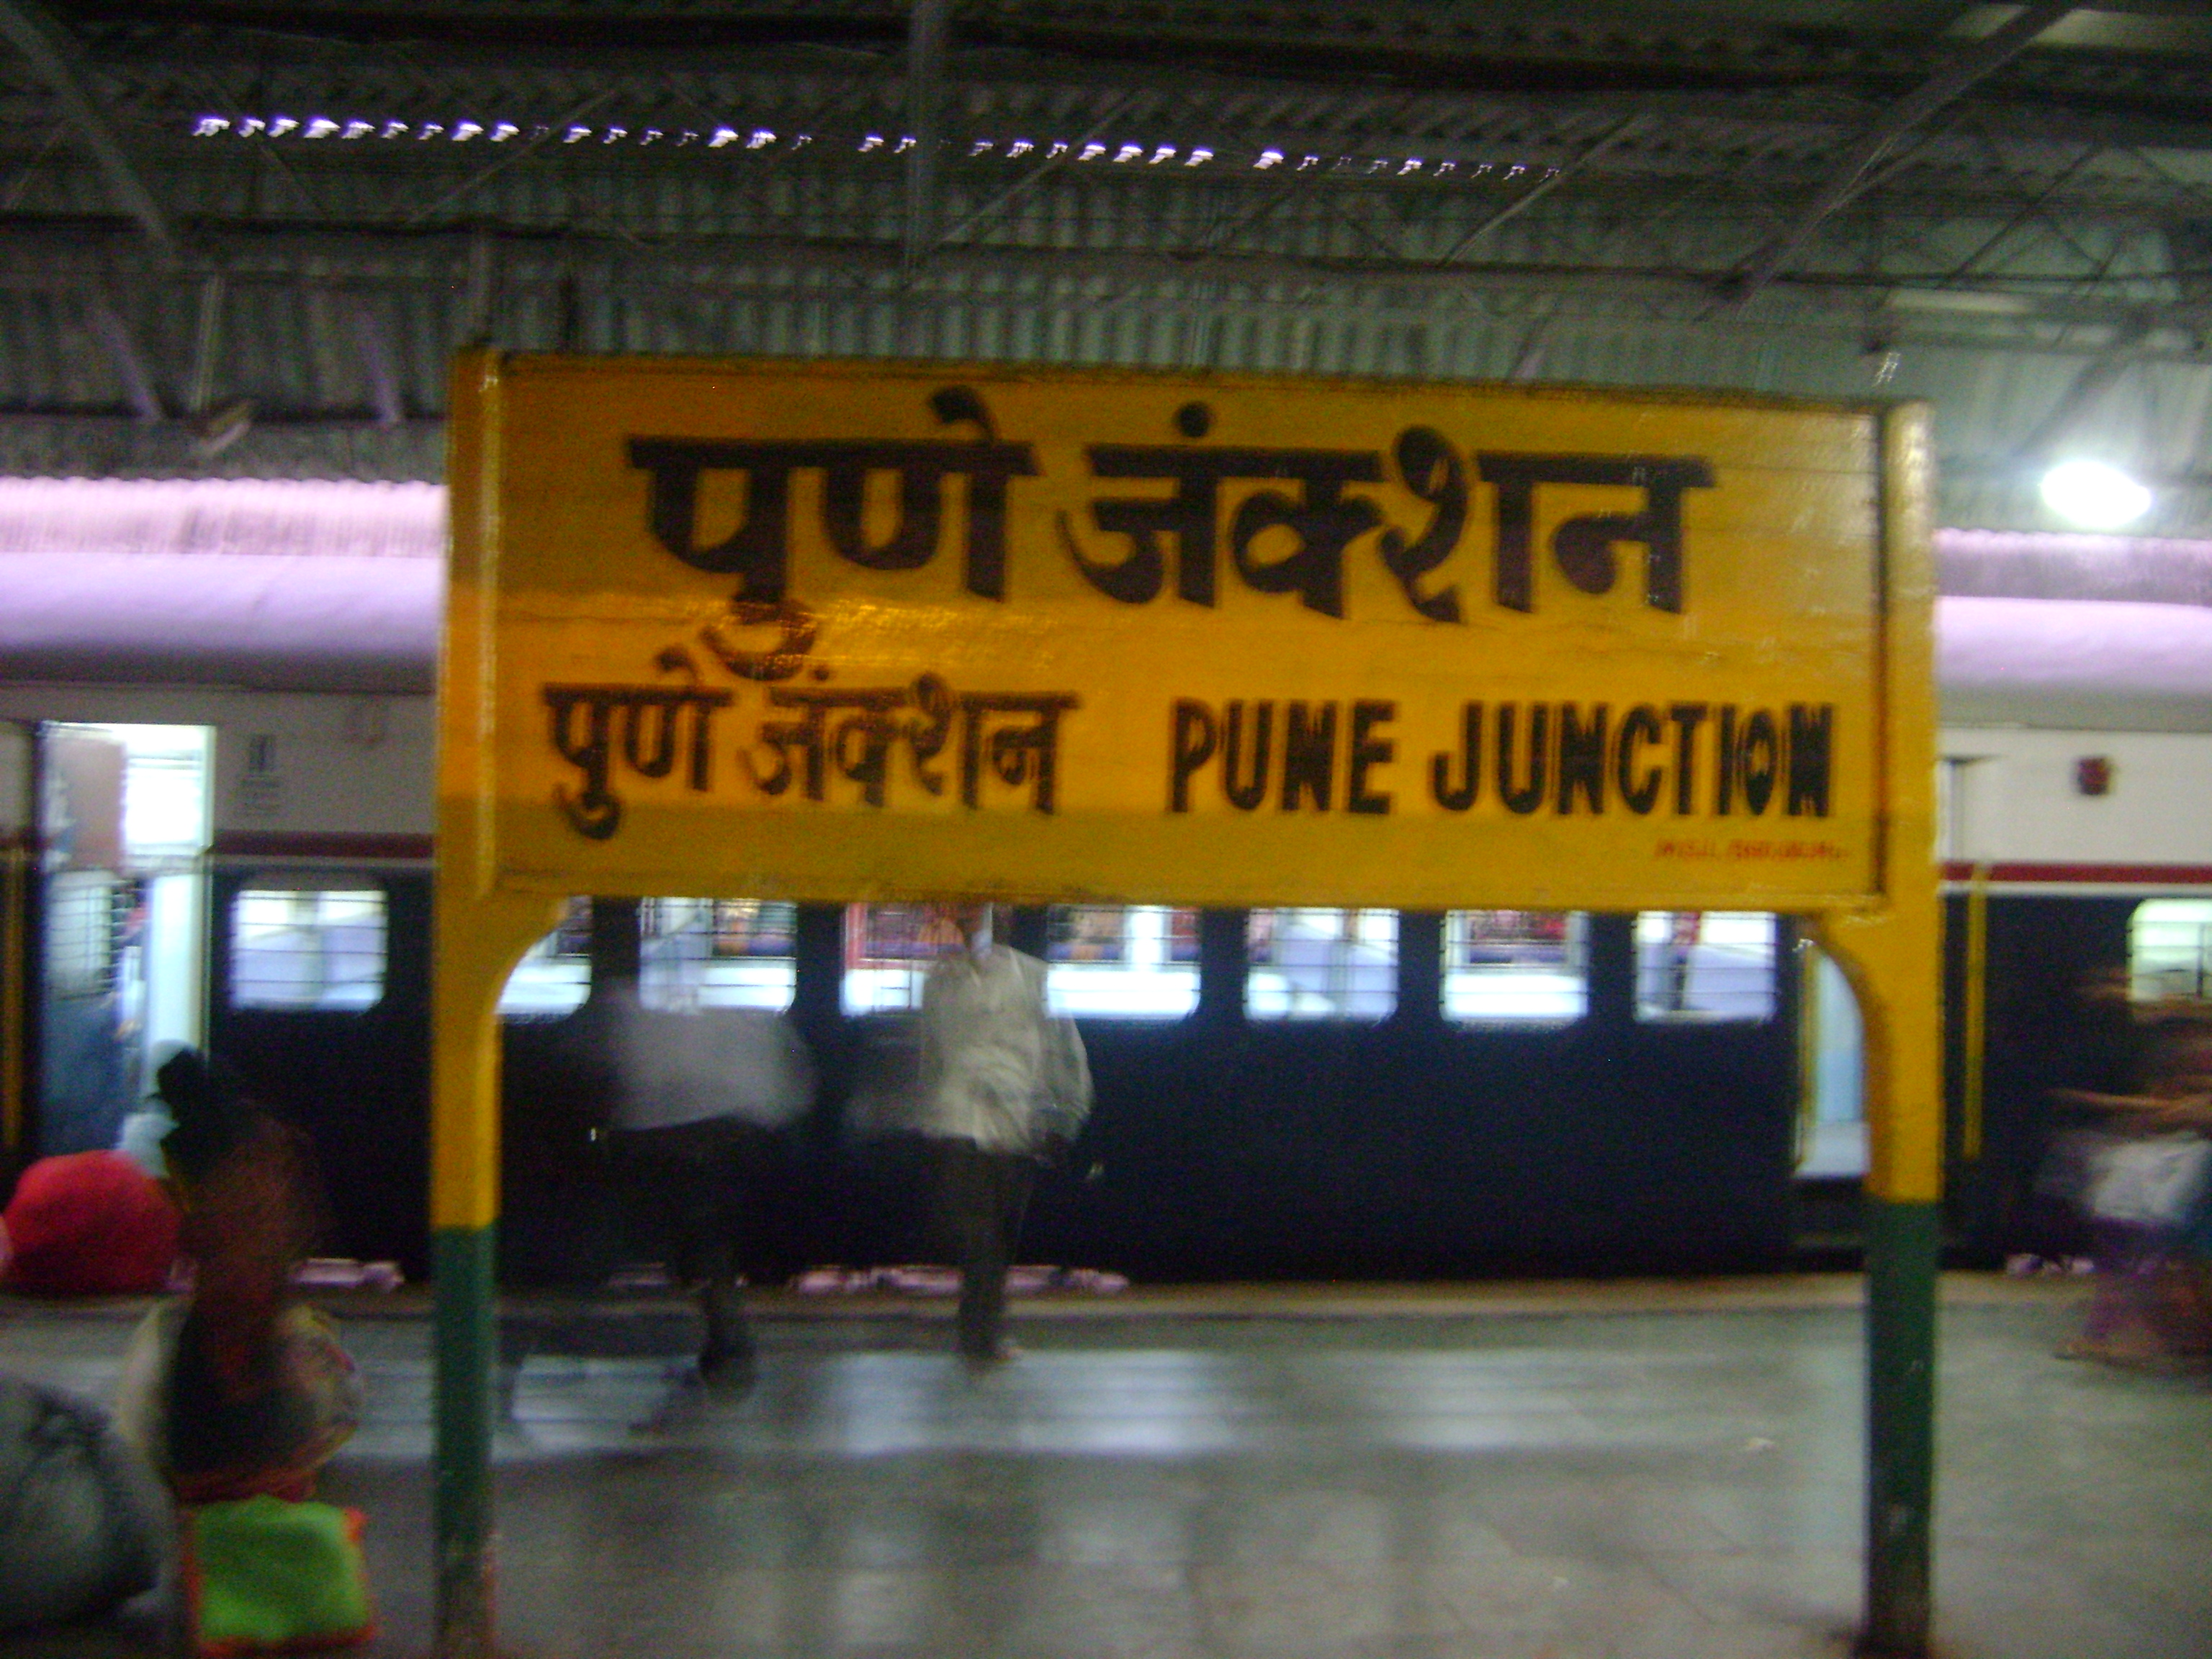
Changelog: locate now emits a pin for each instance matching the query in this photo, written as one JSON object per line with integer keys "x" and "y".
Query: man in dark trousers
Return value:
{"x": 1005, "y": 1086}
{"x": 696, "y": 1098}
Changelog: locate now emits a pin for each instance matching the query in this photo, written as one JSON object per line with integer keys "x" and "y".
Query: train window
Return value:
{"x": 2170, "y": 950}
{"x": 1138, "y": 961}
{"x": 1321, "y": 964}
{"x": 888, "y": 951}
{"x": 1515, "y": 965}
{"x": 718, "y": 953}
{"x": 1705, "y": 965}
{"x": 555, "y": 975}
{"x": 298, "y": 943}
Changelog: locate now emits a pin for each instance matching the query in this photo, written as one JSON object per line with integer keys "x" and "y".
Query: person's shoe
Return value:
{"x": 726, "y": 1374}
{"x": 2107, "y": 1351}
{"x": 1005, "y": 1354}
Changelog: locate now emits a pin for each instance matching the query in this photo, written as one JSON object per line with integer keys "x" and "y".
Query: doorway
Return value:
{"x": 123, "y": 814}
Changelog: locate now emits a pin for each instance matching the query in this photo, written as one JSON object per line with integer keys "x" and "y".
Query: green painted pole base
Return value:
{"x": 1903, "y": 1249}
{"x": 466, "y": 1338}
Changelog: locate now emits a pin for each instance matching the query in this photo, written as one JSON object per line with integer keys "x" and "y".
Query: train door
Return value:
{"x": 117, "y": 953}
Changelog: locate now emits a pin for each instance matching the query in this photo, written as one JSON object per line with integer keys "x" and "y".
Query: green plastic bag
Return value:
{"x": 264, "y": 1575}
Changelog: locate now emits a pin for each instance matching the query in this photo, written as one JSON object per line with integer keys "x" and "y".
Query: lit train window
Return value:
{"x": 2170, "y": 950}
{"x": 1321, "y": 964}
{"x": 301, "y": 944}
{"x": 555, "y": 975}
{"x": 1705, "y": 965}
{"x": 888, "y": 951}
{"x": 718, "y": 953}
{"x": 1515, "y": 965}
{"x": 1137, "y": 962}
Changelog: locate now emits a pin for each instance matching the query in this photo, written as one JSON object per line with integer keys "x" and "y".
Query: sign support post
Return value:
{"x": 1893, "y": 957}
{"x": 479, "y": 934}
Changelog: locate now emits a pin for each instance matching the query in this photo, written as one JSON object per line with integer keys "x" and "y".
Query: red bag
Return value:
{"x": 89, "y": 1223}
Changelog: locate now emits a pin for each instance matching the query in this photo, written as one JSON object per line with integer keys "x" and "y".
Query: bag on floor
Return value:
{"x": 83, "y": 1523}
{"x": 264, "y": 1576}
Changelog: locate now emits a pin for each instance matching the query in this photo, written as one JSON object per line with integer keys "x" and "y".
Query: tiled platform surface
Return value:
{"x": 1565, "y": 1472}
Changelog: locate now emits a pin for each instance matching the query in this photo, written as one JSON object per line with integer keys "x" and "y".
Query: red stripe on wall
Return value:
{"x": 2084, "y": 875}
{"x": 311, "y": 844}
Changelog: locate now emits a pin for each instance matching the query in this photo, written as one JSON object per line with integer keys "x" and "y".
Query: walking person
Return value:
{"x": 1005, "y": 1087}
{"x": 697, "y": 1100}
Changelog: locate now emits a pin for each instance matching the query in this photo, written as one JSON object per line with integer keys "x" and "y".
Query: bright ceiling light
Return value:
{"x": 2095, "y": 495}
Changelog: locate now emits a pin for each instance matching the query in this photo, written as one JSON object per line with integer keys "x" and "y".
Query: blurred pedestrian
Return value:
{"x": 1005, "y": 1087}
{"x": 2144, "y": 1186}
{"x": 697, "y": 1100}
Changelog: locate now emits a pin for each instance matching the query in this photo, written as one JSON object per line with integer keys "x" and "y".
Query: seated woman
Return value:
{"x": 244, "y": 1389}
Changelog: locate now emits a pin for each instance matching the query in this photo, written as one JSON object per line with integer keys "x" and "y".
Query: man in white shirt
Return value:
{"x": 1005, "y": 1087}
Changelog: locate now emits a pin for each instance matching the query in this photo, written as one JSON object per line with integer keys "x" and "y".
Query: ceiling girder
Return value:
{"x": 30, "y": 35}
{"x": 925, "y": 96}
{"x": 1852, "y": 169}
{"x": 61, "y": 256}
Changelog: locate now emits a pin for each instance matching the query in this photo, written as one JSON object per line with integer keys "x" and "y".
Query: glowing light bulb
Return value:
{"x": 2095, "y": 495}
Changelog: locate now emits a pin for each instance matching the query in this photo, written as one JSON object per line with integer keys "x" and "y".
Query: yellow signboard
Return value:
{"x": 852, "y": 631}
{"x": 846, "y": 631}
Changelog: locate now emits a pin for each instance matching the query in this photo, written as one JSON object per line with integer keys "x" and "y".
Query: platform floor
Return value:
{"x": 1630, "y": 1472}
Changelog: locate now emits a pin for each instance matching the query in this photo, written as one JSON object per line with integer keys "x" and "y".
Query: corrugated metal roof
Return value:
{"x": 2040, "y": 230}
{"x": 288, "y": 349}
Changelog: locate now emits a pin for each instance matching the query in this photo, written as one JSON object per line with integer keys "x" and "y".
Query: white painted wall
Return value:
{"x": 2012, "y": 797}
{"x": 350, "y": 765}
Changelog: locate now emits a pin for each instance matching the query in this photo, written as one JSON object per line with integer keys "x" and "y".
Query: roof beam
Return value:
{"x": 32, "y": 38}
{"x": 62, "y": 254}
{"x": 114, "y": 337}
{"x": 1855, "y": 171}
{"x": 1528, "y": 198}
{"x": 377, "y": 369}
{"x": 925, "y": 97}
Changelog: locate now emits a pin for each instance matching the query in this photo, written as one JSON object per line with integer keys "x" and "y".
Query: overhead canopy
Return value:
{"x": 340, "y": 586}
{"x": 322, "y": 587}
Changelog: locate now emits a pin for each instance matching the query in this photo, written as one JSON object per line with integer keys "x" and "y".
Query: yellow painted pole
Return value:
{"x": 478, "y": 935}
{"x": 1892, "y": 957}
